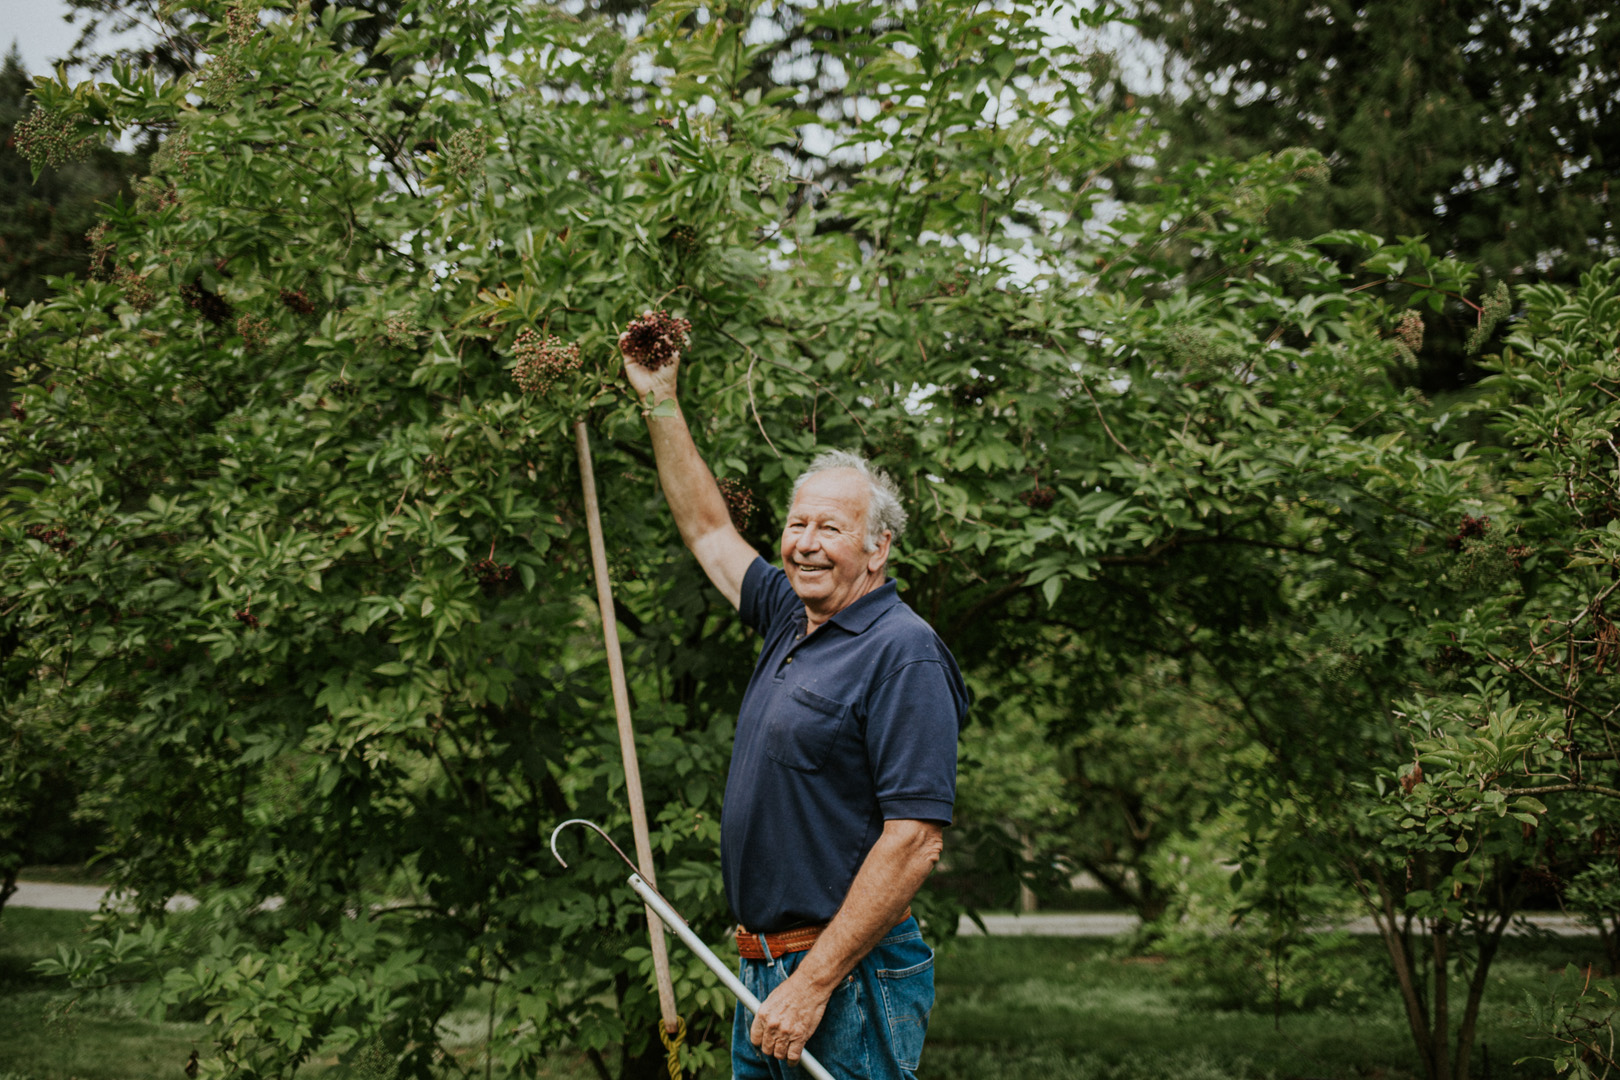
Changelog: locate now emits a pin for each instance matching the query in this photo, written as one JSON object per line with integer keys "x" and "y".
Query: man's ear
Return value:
{"x": 880, "y": 554}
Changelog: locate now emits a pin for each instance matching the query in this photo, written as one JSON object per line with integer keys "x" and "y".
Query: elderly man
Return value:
{"x": 843, "y": 772}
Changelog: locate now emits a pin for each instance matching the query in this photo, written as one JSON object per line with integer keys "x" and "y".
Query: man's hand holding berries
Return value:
{"x": 652, "y": 348}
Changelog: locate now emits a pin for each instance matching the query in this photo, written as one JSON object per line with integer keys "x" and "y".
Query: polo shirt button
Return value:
{"x": 790, "y": 659}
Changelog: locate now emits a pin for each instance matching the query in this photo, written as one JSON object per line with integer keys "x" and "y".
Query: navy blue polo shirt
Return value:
{"x": 838, "y": 732}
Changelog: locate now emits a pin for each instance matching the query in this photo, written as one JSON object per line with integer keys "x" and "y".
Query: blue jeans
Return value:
{"x": 874, "y": 1024}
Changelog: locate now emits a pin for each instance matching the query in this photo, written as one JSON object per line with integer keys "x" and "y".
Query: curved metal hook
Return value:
{"x": 634, "y": 869}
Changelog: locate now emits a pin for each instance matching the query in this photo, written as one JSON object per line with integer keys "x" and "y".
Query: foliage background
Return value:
{"x": 294, "y": 573}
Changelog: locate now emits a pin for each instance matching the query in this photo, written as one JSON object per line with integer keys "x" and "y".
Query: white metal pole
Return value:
{"x": 714, "y": 963}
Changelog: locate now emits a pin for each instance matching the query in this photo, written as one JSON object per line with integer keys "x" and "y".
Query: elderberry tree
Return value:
{"x": 324, "y": 635}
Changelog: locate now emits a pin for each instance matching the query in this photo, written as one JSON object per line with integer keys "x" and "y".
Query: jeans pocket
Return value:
{"x": 908, "y": 998}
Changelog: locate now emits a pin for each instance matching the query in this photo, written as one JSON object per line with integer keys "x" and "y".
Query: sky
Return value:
{"x": 39, "y": 29}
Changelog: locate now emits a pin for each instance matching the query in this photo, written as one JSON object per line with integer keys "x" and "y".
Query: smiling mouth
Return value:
{"x": 806, "y": 568}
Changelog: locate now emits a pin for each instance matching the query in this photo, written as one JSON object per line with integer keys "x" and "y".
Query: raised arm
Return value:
{"x": 694, "y": 498}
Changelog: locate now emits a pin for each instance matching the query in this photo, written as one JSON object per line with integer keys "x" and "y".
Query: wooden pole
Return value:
{"x": 627, "y": 737}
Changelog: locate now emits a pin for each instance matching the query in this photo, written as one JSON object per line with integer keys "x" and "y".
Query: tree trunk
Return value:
{"x": 8, "y": 886}
{"x": 1440, "y": 1033}
{"x": 1400, "y": 957}
{"x": 1489, "y": 939}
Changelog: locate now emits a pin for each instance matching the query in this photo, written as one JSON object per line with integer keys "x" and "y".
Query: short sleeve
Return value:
{"x": 765, "y": 595}
{"x": 913, "y": 719}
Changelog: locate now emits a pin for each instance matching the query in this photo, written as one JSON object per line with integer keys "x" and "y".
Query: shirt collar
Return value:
{"x": 864, "y": 612}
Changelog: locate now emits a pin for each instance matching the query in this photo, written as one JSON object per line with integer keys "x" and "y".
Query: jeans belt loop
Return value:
{"x": 765, "y": 947}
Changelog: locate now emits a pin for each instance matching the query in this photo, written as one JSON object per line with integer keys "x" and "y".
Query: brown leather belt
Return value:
{"x": 785, "y": 941}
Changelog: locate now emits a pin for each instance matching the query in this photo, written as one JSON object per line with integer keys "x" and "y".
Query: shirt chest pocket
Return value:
{"x": 802, "y": 729}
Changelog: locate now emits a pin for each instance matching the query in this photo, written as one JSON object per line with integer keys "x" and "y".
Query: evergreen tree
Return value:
{"x": 1492, "y": 127}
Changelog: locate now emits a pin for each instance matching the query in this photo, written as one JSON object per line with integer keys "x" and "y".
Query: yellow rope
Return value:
{"x": 672, "y": 1043}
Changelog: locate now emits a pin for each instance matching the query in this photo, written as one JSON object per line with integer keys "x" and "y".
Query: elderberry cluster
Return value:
{"x": 210, "y": 305}
{"x": 103, "y": 253}
{"x": 45, "y": 138}
{"x": 53, "y": 537}
{"x": 1470, "y": 528}
{"x": 655, "y": 339}
{"x": 254, "y": 330}
{"x": 541, "y": 361}
{"x": 297, "y": 301}
{"x": 1038, "y": 498}
{"x": 970, "y": 394}
{"x": 464, "y": 152}
{"x": 18, "y": 413}
{"x": 137, "y": 290}
{"x": 491, "y": 574}
{"x": 248, "y": 619}
{"x": 683, "y": 238}
{"x": 1493, "y": 309}
{"x": 399, "y": 330}
{"x": 739, "y": 502}
{"x": 1410, "y": 330}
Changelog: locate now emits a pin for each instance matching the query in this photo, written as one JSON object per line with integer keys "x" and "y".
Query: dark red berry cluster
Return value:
{"x": 491, "y": 573}
{"x": 297, "y": 301}
{"x": 655, "y": 339}
{"x": 970, "y": 394}
{"x": 541, "y": 361}
{"x": 683, "y": 238}
{"x": 210, "y": 305}
{"x": 1470, "y": 528}
{"x": 739, "y": 502}
{"x": 18, "y": 413}
{"x": 55, "y": 538}
{"x": 436, "y": 467}
{"x": 1038, "y": 498}
{"x": 343, "y": 388}
{"x": 248, "y": 619}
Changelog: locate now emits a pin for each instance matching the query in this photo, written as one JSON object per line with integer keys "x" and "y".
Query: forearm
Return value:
{"x": 890, "y": 876}
{"x": 694, "y": 498}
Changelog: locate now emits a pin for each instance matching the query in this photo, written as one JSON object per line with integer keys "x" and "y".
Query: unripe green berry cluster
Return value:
{"x": 655, "y": 339}
{"x": 254, "y": 330}
{"x": 464, "y": 152}
{"x": 103, "y": 253}
{"x": 399, "y": 330}
{"x": 541, "y": 361}
{"x": 46, "y": 139}
{"x": 1410, "y": 330}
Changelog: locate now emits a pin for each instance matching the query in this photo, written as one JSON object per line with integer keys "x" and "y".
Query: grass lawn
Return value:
{"x": 1017, "y": 1008}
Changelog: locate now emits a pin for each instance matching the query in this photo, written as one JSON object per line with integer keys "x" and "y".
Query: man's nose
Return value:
{"x": 809, "y": 539}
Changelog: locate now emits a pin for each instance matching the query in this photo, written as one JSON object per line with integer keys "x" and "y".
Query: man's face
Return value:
{"x": 824, "y": 542}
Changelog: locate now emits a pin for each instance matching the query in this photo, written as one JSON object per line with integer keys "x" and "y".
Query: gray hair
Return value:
{"x": 884, "y": 513}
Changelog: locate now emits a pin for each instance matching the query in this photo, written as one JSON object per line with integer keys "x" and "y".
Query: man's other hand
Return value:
{"x": 787, "y": 1018}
